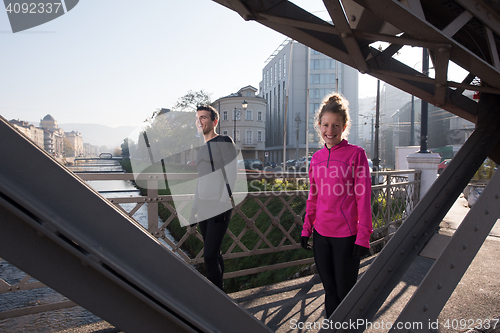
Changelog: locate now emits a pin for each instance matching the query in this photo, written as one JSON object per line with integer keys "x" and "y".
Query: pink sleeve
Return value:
{"x": 310, "y": 205}
{"x": 363, "y": 192}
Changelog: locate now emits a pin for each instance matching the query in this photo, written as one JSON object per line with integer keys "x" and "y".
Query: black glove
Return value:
{"x": 304, "y": 242}
{"x": 360, "y": 251}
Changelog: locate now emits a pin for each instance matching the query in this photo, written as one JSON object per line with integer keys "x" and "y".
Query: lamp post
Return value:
{"x": 244, "y": 105}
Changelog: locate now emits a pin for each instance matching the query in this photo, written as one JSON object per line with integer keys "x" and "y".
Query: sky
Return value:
{"x": 114, "y": 62}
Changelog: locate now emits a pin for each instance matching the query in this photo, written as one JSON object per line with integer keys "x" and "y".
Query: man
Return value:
{"x": 216, "y": 165}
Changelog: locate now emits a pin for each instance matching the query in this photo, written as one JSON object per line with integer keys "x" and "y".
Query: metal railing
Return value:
{"x": 393, "y": 199}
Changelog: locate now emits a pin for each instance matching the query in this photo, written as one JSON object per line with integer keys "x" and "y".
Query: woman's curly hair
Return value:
{"x": 334, "y": 103}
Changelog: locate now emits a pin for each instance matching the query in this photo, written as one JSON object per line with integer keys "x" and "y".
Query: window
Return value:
{"x": 237, "y": 136}
{"x": 284, "y": 65}
{"x": 259, "y": 115}
{"x": 275, "y": 73}
{"x": 249, "y": 137}
{"x": 224, "y": 115}
{"x": 271, "y": 75}
{"x": 224, "y": 133}
{"x": 259, "y": 136}
{"x": 279, "y": 66}
{"x": 249, "y": 115}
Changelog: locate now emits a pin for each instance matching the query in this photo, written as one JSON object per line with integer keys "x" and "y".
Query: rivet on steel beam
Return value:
{"x": 452, "y": 265}
{"x": 389, "y": 269}
{"x": 497, "y": 196}
{"x": 415, "y": 235}
{"x": 402, "y": 252}
{"x": 464, "y": 246}
{"x": 476, "y": 228}
{"x": 436, "y": 205}
{"x": 353, "y": 18}
{"x": 439, "y": 286}
{"x": 426, "y": 220}
{"x": 375, "y": 288}
{"x": 361, "y": 308}
{"x": 426, "y": 234}
{"x": 343, "y": 35}
{"x": 486, "y": 212}
{"x": 426, "y": 307}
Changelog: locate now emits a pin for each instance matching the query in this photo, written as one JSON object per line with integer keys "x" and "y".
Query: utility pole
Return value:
{"x": 376, "y": 159}
{"x": 298, "y": 120}
{"x": 424, "y": 123}
{"x": 412, "y": 121}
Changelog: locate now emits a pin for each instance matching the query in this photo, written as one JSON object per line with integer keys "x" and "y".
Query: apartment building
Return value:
{"x": 295, "y": 80}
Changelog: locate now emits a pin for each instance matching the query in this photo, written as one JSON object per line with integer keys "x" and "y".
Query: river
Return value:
{"x": 57, "y": 320}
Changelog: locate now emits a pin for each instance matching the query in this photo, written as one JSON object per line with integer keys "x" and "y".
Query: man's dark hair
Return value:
{"x": 213, "y": 112}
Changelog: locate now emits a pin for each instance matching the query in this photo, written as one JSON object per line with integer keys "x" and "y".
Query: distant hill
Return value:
{"x": 100, "y": 135}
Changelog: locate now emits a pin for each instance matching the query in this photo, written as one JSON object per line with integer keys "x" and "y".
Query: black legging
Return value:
{"x": 213, "y": 231}
{"x": 337, "y": 268}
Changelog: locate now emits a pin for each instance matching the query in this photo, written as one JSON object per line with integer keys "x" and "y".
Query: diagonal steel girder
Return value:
{"x": 57, "y": 229}
{"x": 358, "y": 23}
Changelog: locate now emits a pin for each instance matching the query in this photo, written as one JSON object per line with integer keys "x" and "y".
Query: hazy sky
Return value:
{"x": 113, "y": 62}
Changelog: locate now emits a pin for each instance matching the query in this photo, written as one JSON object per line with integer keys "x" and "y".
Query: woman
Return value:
{"x": 338, "y": 212}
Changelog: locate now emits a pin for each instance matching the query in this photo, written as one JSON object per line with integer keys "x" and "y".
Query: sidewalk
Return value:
{"x": 291, "y": 305}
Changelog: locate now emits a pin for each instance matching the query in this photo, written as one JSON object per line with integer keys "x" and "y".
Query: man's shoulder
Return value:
{"x": 223, "y": 138}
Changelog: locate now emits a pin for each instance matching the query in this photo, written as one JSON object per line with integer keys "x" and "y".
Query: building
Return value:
{"x": 32, "y": 132}
{"x": 76, "y": 141}
{"x": 249, "y": 122}
{"x": 53, "y": 136}
{"x": 295, "y": 80}
{"x": 90, "y": 150}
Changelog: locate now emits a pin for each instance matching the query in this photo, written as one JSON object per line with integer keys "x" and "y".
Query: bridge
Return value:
{"x": 127, "y": 288}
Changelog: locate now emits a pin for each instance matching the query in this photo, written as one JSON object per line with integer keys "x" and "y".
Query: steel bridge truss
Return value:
{"x": 57, "y": 229}
{"x": 461, "y": 31}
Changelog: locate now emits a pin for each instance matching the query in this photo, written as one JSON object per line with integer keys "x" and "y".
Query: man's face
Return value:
{"x": 204, "y": 123}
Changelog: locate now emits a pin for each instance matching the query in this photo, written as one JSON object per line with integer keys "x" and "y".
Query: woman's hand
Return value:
{"x": 304, "y": 242}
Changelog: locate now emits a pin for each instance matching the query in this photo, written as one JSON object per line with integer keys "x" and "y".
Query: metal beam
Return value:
{"x": 96, "y": 255}
{"x": 448, "y": 269}
{"x": 385, "y": 272}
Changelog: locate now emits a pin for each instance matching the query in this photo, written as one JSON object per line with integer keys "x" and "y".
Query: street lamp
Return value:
{"x": 244, "y": 105}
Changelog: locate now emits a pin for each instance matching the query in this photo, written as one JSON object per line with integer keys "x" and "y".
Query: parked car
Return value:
{"x": 250, "y": 164}
{"x": 300, "y": 165}
{"x": 271, "y": 164}
{"x": 290, "y": 164}
{"x": 443, "y": 165}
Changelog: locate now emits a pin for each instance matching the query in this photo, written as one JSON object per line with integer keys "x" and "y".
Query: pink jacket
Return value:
{"x": 339, "y": 202}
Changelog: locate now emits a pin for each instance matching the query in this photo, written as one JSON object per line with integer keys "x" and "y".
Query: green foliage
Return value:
{"x": 191, "y": 100}
{"x": 68, "y": 148}
{"x": 253, "y": 209}
{"x": 485, "y": 171}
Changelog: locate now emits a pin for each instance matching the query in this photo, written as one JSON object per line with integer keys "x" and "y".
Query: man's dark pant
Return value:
{"x": 213, "y": 231}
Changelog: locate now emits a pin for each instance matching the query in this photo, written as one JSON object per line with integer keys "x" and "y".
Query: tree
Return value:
{"x": 125, "y": 148}
{"x": 191, "y": 100}
{"x": 68, "y": 148}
